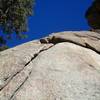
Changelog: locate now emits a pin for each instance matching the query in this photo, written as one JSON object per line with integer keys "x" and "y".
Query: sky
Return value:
{"x": 55, "y": 16}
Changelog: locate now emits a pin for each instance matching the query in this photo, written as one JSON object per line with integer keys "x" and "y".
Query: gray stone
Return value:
{"x": 62, "y": 66}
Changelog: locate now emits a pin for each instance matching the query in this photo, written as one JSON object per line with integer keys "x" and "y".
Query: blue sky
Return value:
{"x": 55, "y": 16}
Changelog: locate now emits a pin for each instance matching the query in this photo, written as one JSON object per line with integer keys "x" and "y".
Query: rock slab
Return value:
{"x": 62, "y": 66}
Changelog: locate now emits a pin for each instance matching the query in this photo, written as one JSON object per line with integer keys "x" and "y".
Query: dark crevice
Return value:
{"x": 11, "y": 77}
{"x": 93, "y": 67}
{"x": 20, "y": 85}
{"x": 35, "y": 55}
{"x": 92, "y": 48}
{"x": 55, "y": 40}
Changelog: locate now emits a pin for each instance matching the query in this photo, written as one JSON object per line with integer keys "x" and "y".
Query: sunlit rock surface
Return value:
{"x": 62, "y": 66}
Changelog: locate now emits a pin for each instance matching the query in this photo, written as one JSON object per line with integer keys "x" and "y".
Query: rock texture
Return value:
{"x": 62, "y": 66}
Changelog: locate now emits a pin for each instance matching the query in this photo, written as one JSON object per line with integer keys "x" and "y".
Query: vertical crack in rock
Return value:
{"x": 14, "y": 75}
{"x": 20, "y": 86}
{"x": 35, "y": 55}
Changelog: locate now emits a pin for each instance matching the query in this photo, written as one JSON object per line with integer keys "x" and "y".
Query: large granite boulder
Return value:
{"x": 62, "y": 66}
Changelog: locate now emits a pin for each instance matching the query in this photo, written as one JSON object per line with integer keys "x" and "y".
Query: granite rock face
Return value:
{"x": 62, "y": 66}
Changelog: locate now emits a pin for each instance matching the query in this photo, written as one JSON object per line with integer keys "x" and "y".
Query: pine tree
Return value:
{"x": 14, "y": 16}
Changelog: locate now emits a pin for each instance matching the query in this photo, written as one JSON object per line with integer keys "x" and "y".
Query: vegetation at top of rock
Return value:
{"x": 93, "y": 15}
{"x": 14, "y": 17}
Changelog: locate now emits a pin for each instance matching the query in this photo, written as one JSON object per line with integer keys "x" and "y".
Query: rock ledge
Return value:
{"x": 62, "y": 66}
